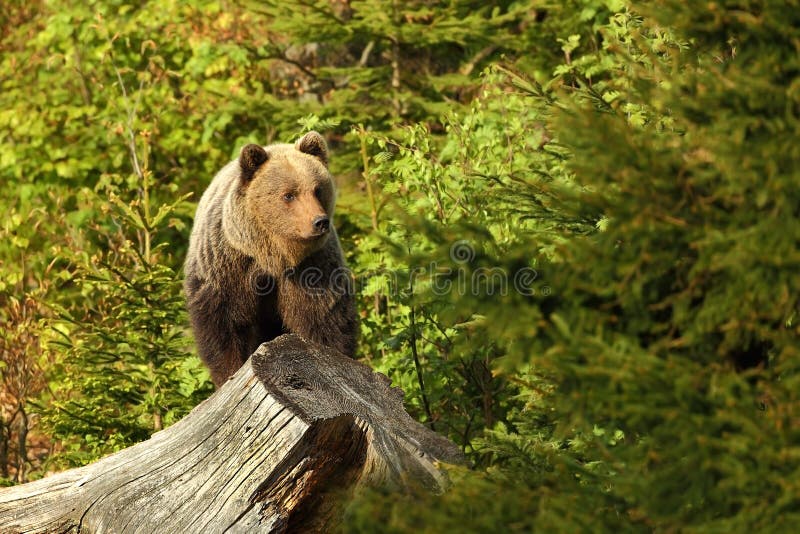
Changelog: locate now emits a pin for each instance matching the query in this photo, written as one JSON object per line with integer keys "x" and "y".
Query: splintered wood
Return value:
{"x": 279, "y": 448}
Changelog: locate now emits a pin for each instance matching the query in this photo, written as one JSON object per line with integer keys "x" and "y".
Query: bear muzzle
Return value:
{"x": 321, "y": 225}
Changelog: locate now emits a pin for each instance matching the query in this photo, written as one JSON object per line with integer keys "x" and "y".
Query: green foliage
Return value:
{"x": 580, "y": 264}
{"x": 124, "y": 367}
{"x": 103, "y": 95}
{"x": 665, "y": 225}
{"x": 441, "y": 213}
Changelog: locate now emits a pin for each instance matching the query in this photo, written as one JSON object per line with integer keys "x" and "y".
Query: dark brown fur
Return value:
{"x": 258, "y": 266}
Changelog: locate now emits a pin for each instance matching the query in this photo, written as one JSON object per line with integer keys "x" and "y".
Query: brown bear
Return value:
{"x": 264, "y": 258}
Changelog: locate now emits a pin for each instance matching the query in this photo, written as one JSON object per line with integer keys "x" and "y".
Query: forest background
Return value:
{"x": 574, "y": 229}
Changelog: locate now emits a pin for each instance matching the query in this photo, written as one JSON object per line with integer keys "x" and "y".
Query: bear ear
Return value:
{"x": 314, "y": 144}
{"x": 251, "y": 158}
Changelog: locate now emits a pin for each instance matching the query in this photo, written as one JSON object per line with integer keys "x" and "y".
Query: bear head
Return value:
{"x": 281, "y": 208}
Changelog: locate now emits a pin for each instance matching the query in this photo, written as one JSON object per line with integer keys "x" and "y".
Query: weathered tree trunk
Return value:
{"x": 279, "y": 448}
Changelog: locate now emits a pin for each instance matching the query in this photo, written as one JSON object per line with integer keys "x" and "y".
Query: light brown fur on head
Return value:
{"x": 281, "y": 191}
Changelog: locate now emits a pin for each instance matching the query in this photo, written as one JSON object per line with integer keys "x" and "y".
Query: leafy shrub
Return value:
{"x": 124, "y": 367}
{"x": 657, "y": 378}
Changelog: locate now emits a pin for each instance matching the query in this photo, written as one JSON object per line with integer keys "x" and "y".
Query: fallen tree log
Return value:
{"x": 278, "y": 448}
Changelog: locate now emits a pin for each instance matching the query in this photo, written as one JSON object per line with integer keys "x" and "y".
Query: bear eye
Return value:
{"x": 318, "y": 192}
{"x": 288, "y": 197}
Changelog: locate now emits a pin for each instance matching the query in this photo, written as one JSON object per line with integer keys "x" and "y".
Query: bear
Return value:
{"x": 264, "y": 258}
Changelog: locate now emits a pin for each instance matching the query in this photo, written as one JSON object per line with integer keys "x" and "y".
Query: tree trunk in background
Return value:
{"x": 4, "y": 433}
{"x": 279, "y": 448}
{"x": 22, "y": 446}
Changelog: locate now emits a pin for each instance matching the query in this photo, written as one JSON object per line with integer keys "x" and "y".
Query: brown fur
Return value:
{"x": 258, "y": 266}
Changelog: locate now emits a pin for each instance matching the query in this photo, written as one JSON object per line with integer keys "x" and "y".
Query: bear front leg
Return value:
{"x": 221, "y": 344}
{"x": 319, "y": 313}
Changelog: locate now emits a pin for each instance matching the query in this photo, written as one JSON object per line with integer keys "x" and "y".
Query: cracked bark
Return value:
{"x": 280, "y": 447}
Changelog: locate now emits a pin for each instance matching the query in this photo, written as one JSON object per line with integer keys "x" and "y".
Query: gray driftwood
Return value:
{"x": 279, "y": 448}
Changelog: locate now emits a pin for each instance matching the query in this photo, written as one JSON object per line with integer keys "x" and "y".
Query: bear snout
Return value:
{"x": 321, "y": 224}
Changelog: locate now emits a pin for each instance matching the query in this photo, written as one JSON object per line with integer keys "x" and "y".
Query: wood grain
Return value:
{"x": 278, "y": 448}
